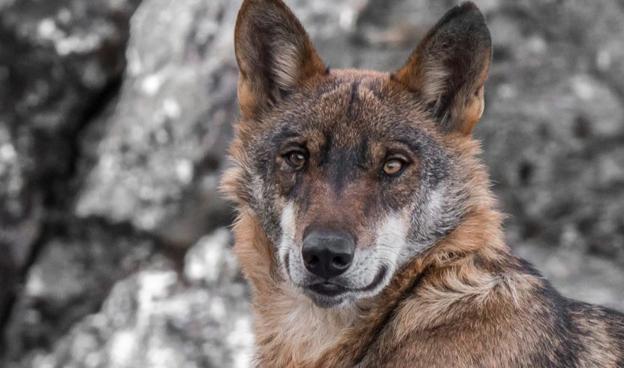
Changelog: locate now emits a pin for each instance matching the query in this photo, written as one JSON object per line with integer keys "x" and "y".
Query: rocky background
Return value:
{"x": 115, "y": 116}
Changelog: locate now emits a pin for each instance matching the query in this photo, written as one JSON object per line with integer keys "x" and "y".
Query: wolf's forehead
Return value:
{"x": 347, "y": 110}
{"x": 356, "y": 106}
{"x": 345, "y": 95}
{"x": 353, "y": 88}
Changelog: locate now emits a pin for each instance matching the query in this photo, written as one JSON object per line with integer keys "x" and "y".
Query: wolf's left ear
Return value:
{"x": 449, "y": 67}
{"x": 273, "y": 52}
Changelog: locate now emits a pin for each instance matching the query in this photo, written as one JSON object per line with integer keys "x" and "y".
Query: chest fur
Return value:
{"x": 295, "y": 333}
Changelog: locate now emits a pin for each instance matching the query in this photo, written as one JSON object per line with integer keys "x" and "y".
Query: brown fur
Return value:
{"x": 463, "y": 302}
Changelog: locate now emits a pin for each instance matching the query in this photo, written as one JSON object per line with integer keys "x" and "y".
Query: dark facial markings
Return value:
{"x": 353, "y": 99}
{"x": 364, "y": 154}
{"x": 325, "y": 149}
{"x": 315, "y": 167}
{"x": 342, "y": 169}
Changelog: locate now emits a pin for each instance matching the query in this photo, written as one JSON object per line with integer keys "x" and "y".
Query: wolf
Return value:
{"x": 366, "y": 225}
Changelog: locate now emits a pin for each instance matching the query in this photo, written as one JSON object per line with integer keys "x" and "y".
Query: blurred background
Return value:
{"x": 115, "y": 116}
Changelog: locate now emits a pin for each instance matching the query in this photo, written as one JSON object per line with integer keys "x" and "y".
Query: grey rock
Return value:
{"x": 18, "y": 225}
{"x": 72, "y": 275}
{"x": 159, "y": 150}
{"x": 58, "y": 61}
{"x": 157, "y": 318}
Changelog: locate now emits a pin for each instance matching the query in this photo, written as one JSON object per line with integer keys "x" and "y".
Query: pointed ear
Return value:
{"x": 273, "y": 52}
{"x": 449, "y": 68}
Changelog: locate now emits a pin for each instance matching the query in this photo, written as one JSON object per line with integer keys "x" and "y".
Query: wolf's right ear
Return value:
{"x": 274, "y": 54}
{"x": 449, "y": 67}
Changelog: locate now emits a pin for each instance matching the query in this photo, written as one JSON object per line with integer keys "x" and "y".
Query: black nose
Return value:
{"x": 327, "y": 253}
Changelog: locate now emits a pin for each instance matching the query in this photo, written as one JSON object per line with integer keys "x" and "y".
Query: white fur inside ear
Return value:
{"x": 480, "y": 101}
{"x": 435, "y": 82}
{"x": 286, "y": 64}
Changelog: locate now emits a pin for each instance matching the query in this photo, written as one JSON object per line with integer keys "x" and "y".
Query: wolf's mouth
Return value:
{"x": 329, "y": 289}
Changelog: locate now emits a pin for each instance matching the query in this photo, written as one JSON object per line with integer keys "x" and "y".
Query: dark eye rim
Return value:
{"x": 288, "y": 154}
{"x": 395, "y": 157}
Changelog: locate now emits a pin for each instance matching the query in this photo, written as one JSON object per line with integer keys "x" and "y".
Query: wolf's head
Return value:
{"x": 353, "y": 173}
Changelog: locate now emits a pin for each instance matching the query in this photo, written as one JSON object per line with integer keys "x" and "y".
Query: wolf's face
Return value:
{"x": 351, "y": 184}
{"x": 351, "y": 173}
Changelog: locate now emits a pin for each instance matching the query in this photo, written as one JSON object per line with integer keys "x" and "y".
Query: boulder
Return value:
{"x": 72, "y": 275}
{"x": 158, "y": 317}
{"x": 60, "y": 60}
{"x": 156, "y": 154}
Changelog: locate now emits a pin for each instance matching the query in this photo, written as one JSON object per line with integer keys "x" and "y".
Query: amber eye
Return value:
{"x": 393, "y": 166}
{"x": 296, "y": 159}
